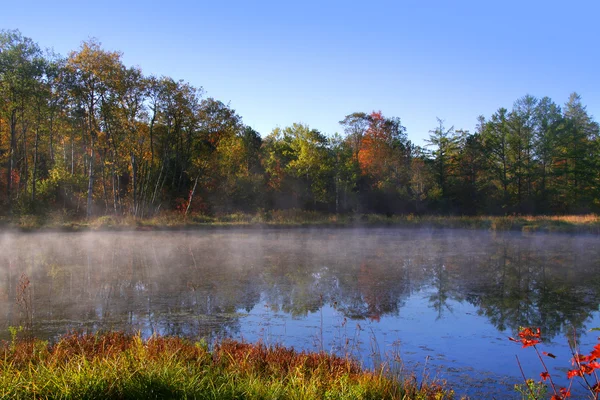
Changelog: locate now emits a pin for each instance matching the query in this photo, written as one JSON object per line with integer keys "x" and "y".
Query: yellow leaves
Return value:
{"x": 231, "y": 155}
{"x": 93, "y": 70}
{"x": 91, "y": 58}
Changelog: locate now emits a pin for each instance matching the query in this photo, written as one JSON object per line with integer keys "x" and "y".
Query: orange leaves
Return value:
{"x": 375, "y": 151}
{"x": 368, "y": 155}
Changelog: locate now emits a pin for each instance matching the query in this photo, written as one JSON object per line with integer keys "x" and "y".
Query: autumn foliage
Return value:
{"x": 585, "y": 366}
{"x": 87, "y": 135}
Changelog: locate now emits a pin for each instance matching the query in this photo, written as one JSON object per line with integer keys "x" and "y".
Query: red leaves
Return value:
{"x": 573, "y": 373}
{"x": 565, "y": 393}
{"x": 579, "y": 358}
{"x": 545, "y": 375}
{"x": 528, "y": 337}
{"x": 527, "y": 343}
{"x": 585, "y": 364}
{"x": 527, "y": 333}
{"x": 590, "y": 367}
{"x": 583, "y": 369}
{"x": 596, "y": 352}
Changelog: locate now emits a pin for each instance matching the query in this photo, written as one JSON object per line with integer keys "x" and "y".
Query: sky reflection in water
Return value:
{"x": 444, "y": 301}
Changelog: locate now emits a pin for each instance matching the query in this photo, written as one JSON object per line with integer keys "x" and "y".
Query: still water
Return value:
{"x": 442, "y": 302}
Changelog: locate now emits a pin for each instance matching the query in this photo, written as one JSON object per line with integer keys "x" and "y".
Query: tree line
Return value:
{"x": 87, "y": 135}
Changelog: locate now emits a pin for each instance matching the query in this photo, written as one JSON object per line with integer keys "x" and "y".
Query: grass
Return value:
{"x": 119, "y": 366}
{"x": 292, "y": 218}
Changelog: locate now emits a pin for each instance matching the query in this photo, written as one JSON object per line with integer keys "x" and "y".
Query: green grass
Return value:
{"x": 292, "y": 218}
{"x": 119, "y": 366}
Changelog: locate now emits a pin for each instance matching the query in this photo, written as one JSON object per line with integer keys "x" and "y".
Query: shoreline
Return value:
{"x": 573, "y": 224}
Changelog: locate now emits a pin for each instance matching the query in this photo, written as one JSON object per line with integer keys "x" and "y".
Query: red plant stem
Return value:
{"x": 570, "y": 385}
{"x": 596, "y": 385}
{"x": 545, "y": 368}
{"x": 575, "y": 353}
{"x": 525, "y": 379}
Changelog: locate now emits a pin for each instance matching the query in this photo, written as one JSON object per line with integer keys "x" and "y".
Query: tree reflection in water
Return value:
{"x": 200, "y": 284}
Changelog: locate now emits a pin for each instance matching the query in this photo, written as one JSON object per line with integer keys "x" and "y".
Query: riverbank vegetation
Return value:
{"x": 85, "y": 136}
{"x": 115, "y": 365}
{"x": 298, "y": 218}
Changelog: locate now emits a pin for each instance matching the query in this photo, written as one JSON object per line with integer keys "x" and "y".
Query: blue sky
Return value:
{"x": 316, "y": 61}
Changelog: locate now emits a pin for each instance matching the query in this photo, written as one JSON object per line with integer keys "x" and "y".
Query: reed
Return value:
{"x": 120, "y": 366}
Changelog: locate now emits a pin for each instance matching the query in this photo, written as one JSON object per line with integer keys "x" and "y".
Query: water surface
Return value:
{"x": 443, "y": 302}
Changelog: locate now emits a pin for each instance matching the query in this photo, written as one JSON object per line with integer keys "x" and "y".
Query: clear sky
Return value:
{"x": 280, "y": 62}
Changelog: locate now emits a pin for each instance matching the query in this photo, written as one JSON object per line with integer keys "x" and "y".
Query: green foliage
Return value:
{"x": 90, "y": 136}
{"x": 61, "y": 188}
{"x": 532, "y": 390}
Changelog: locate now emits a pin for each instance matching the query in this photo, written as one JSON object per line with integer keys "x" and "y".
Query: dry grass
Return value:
{"x": 115, "y": 365}
{"x": 589, "y": 223}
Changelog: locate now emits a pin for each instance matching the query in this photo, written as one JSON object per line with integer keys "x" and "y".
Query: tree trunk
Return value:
{"x": 35, "y": 161}
{"x": 192, "y": 195}
{"x": 11, "y": 161}
{"x": 25, "y": 173}
{"x": 50, "y": 133}
{"x": 157, "y": 184}
{"x": 104, "y": 191}
{"x": 134, "y": 182}
{"x": 90, "y": 183}
{"x": 114, "y": 182}
{"x": 72, "y": 156}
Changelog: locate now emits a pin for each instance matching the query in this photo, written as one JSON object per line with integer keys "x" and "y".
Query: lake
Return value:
{"x": 441, "y": 304}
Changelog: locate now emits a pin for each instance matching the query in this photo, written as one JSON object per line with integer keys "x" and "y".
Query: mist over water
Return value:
{"x": 447, "y": 299}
